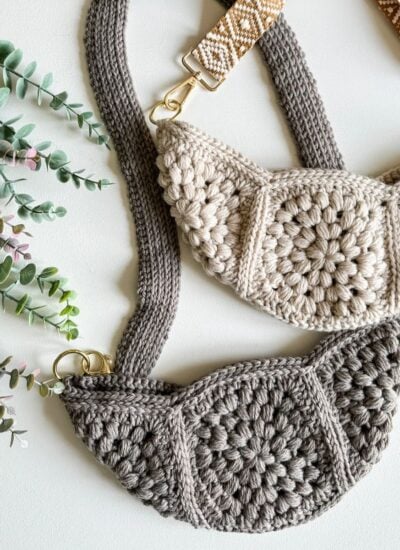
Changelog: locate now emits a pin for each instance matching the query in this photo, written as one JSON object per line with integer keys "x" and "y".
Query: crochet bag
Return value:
{"x": 256, "y": 446}
{"x": 314, "y": 247}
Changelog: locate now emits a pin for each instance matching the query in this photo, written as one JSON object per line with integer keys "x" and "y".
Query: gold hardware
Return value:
{"x": 211, "y": 87}
{"x": 102, "y": 364}
{"x": 175, "y": 99}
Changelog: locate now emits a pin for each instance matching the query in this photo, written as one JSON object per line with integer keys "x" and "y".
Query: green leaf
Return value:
{"x": 13, "y": 59}
{"x": 7, "y": 79}
{"x": 5, "y": 269}
{"x": 58, "y": 101}
{"x": 6, "y": 425}
{"x": 72, "y": 334}
{"x": 90, "y": 185}
{"x": 103, "y": 140}
{"x": 55, "y": 285}
{"x": 60, "y": 211}
{"x": 76, "y": 180}
{"x": 4, "y": 95}
{"x": 22, "y": 303}
{"x": 70, "y": 310}
{"x": 57, "y": 159}
{"x": 43, "y": 146}
{"x": 17, "y": 229}
{"x": 48, "y": 272}
{"x": 14, "y": 379}
{"x": 67, "y": 295}
{"x": 47, "y": 81}
{"x": 30, "y": 382}
{"x": 6, "y": 48}
{"x": 23, "y": 212}
{"x": 30, "y": 69}
{"x": 24, "y": 131}
{"x": 44, "y": 390}
{"x": 63, "y": 175}
{"x": 23, "y": 198}
{"x": 2, "y": 411}
{"x": 27, "y": 274}
{"x": 21, "y": 88}
{"x": 13, "y": 120}
{"x": 6, "y": 362}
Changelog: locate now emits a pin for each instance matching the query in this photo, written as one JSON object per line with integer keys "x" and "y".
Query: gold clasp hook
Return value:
{"x": 93, "y": 363}
{"x": 175, "y": 99}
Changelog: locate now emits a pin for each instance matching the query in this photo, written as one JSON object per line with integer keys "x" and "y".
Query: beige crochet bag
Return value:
{"x": 315, "y": 247}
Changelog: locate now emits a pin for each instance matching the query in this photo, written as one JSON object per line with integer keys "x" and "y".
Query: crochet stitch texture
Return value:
{"x": 254, "y": 447}
{"x": 315, "y": 248}
{"x": 259, "y": 445}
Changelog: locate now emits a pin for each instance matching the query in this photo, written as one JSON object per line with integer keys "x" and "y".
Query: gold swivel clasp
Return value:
{"x": 175, "y": 99}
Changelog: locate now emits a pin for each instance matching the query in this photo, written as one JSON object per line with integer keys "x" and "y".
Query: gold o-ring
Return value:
{"x": 84, "y": 356}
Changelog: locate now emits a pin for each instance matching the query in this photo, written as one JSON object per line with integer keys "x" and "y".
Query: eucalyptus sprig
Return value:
{"x": 14, "y": 146}
{"x": 15, "y": 375}
{"x": 13, "y": 279}
{"x": 21, "y": 80}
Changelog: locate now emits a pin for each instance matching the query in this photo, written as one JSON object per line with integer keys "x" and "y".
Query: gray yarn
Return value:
{"x": 256, "y": 446}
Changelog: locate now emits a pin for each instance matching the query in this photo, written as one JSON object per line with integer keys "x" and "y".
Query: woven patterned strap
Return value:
{"x": 235, "y": 34}
{"x": 391, "y": 8}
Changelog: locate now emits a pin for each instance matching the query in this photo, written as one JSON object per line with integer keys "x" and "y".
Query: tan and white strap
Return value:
{"x": 234, "y": 35}
{"x": 391, "y": 8}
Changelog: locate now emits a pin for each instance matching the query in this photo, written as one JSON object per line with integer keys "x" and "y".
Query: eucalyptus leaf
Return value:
{"x": 6, "y": 425}
{"x": 27, "y": 274}
{"x": 24, "y": 131}
{"x": 6, "y": 48}
{"x": 58, "y": 101}
{"x": 30, "y": 381}
{"x": 14, "y": 379}
{"x": 57, "y": 159}
{"x": 22, "y": 303}
{"x": 5, "y": 269}
{"x": 48, "y": 272}
{"x": 44, "y": 390}
{"x": 30, "y": 69}
{"x": 21, "y": 88}
{"x": 13, "y": 59}
{"x": 43, "y": 146}
{"x": 4, "y": 95}
{"x": 7, "y": 78}
{"x": 47, "y": 81}
{"x": 60, "y": 212}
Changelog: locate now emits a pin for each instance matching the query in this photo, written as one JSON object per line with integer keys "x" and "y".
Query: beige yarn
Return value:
{"x": 235, "y": 34}
{"x": 315, "y": 248}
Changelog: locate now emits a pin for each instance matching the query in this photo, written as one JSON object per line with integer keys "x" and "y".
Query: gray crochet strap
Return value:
{"x": 159, "y": 271}
{"x": 299, "y": 97}
{"x": 158, "y": 249}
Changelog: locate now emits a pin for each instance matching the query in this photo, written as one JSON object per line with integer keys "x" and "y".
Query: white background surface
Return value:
{"x": 54, "y": 495}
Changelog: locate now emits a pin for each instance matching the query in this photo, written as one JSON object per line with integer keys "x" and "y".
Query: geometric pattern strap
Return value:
{"x": 391, "y": 8}
{"x": 235, "y": 34}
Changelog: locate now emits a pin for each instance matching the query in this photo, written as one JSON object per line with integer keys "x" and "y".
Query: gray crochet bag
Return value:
{"x": 256, "y": 446}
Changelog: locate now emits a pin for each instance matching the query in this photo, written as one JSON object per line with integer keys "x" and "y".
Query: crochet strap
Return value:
{"x": 158, "y": 249}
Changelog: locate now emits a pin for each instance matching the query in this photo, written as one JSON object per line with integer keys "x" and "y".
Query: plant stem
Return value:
{"x": 5, "y": 295}
{"x": 6, "y": 242}
{"x": 53, "y": 96}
